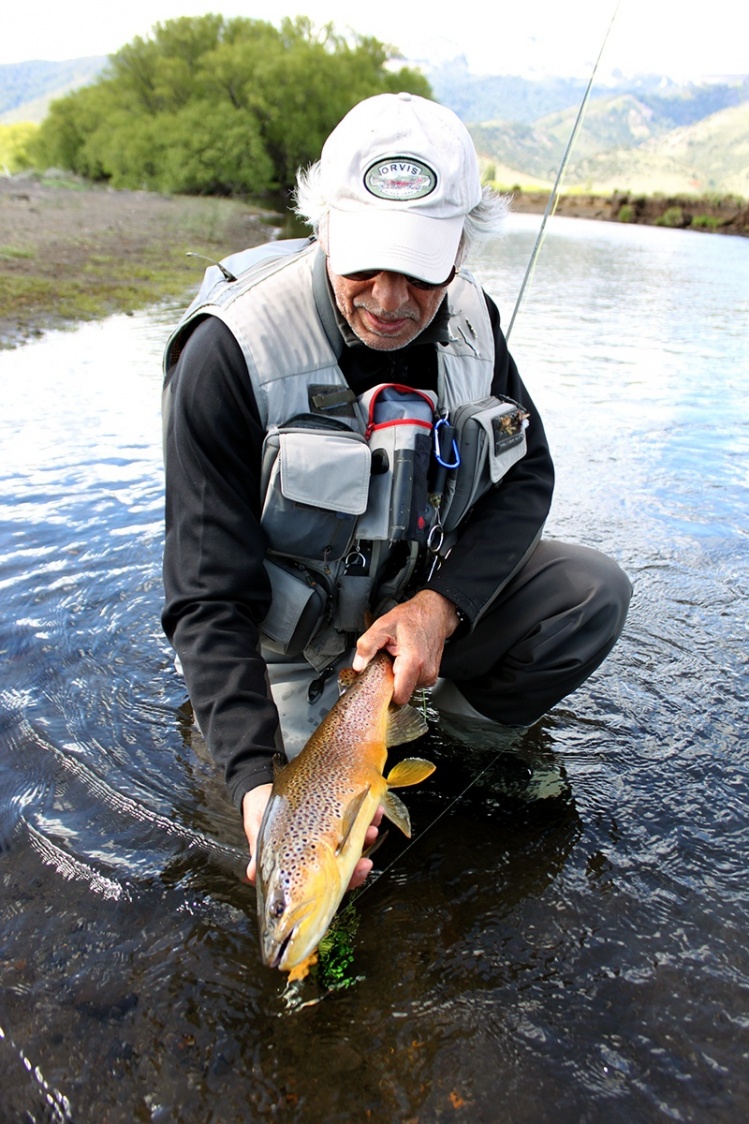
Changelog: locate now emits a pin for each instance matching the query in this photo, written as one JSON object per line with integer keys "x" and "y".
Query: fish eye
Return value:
{"x": 277, "y": 906}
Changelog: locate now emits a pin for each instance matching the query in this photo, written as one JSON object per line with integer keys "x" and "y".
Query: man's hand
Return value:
{"x": 253, "y": 807}
{"x": 414, "y": 633}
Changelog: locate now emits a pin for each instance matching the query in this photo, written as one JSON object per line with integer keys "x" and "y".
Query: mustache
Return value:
{"x": 405, "y": 313}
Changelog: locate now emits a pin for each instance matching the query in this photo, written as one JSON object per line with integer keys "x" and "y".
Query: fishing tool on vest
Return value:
{"x": 399, "y": 422}
{"x": 447, "y": 458}
{"x": 227, "y": 274}
{"x": 399, "y": 433}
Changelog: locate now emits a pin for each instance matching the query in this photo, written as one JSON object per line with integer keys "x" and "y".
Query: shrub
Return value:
{"x": 705, "y": 222}
{"x": 672, "y": 216}
{"x": 14, "y": 143}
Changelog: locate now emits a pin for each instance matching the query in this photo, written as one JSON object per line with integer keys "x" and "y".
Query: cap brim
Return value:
{"x": 402, "y": 241}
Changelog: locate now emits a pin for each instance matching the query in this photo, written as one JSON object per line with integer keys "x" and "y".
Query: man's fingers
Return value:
{"x": 368, "y": 645}
{"x": 253, "y": 807}
{"x": 406, "y": 677}
{"x": 361, "y": 870}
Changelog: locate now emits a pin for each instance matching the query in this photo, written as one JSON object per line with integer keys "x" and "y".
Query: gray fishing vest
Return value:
{"x": 341, "y": 489}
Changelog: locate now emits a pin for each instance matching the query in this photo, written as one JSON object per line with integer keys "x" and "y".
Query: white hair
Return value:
{"x": 486, "y": 220}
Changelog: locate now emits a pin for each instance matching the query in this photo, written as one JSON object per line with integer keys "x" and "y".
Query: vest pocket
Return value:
{"x": 490, "y": 437}
{"x": 315, "y": 482}
{"x": 297, "y": 608}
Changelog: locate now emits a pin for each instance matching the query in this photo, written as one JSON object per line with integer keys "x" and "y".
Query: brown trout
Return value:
{"x": 320, "y": 807}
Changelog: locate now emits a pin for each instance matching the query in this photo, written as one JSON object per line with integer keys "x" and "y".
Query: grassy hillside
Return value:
{"x": 711, "y": 156}
{"x": 623, "y": 146}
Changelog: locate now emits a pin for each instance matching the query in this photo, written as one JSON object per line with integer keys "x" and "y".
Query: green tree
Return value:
{"x": 215, "y": 105}
{"x": 15, "y": 140}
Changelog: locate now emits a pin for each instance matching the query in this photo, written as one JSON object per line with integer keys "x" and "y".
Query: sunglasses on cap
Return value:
{"x": 370, "y": 274}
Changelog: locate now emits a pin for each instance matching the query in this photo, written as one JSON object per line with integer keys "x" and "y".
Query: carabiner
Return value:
{"x": 438, "y": 452}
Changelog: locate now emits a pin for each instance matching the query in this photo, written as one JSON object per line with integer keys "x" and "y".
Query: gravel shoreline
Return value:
{"x": 79, "y": 253}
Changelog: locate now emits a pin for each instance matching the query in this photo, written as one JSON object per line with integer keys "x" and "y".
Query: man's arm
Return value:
{"x": 215, "y": 584}
{"x": 216, "y": 588}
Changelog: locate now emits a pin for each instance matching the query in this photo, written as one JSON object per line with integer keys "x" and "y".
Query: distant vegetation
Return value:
{"x": 210, "y": 105}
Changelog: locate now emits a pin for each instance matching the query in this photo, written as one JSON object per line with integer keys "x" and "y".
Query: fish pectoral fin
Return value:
{"x": 350, "y": 816}
{"x": 300, "y": 971}
{"x": 411, "y": 771}
{"x": 370, "y": 850}
{"x": 279, "y": 764}
{"x": 404, "y": 725}
{"x": 397, "y": 812}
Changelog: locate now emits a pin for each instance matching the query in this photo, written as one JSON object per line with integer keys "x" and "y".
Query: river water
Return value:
{"x": 581, "y": 956}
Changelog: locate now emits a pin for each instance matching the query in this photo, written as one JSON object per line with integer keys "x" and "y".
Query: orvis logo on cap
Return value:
{"x": 400, "y": 178}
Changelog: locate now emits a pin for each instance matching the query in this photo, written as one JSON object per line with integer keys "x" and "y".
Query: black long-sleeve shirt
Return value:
{"x": 216, "y": 588}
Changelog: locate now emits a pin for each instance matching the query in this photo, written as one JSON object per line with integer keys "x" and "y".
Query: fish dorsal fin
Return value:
{"x": 346, "y": 677}
{"x": 350, "y": 816}
{"x": 404, "y": 725}
{"x": 397, "y": 812}
{"x": 411, "y": 771}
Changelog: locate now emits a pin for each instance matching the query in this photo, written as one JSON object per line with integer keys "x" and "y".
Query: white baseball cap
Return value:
{"x": 400, "y": 174}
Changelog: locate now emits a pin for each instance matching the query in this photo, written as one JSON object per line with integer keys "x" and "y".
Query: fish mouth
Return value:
{"x": 277, "y": 951}
{"x": 280, "y": 952}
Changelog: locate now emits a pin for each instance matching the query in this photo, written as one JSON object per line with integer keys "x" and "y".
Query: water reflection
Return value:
{"x": 585, "y": 951}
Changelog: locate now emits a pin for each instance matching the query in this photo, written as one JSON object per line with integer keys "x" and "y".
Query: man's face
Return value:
{"x": 385, "y": 312}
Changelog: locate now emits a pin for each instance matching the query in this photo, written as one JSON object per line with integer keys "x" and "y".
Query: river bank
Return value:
{"x": 719, "y": 214}
{"x": 77, "y": 252}
{"x": 70, "y": 251}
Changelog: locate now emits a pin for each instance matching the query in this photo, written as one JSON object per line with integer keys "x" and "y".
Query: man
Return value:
{"x": 296, "y": 504}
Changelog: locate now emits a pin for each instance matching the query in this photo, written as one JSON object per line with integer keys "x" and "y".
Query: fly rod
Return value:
{"x": 554, "y": 196}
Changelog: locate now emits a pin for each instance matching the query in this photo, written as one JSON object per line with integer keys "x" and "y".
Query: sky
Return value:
{"x": 495, "y": 36}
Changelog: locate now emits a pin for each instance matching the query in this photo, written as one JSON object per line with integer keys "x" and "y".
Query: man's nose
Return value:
{"x": 390, "y": 290}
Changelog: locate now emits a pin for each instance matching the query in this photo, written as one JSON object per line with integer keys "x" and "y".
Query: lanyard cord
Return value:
{"x": 554, "y": 196}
